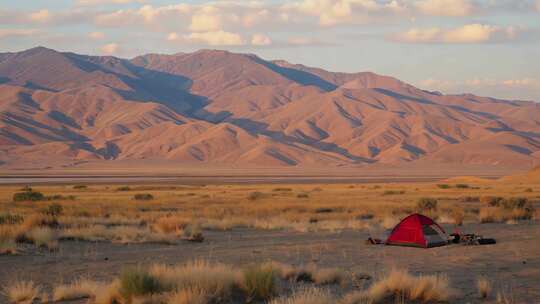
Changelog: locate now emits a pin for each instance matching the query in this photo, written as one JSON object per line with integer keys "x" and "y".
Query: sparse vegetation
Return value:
{"x": 259, "y": 282}
{"x": 138, "y": 282}
{"x": 28, "y": 195}
{"x": 22, "y": 291}
{"x": 393, "y": 192}
{"x": 255, "y": 195}
{"x": 427, "y": 204}
{"x": 444, "y": 186}
{"x": 143, "y": 197}
{"x": 484, "y": 287}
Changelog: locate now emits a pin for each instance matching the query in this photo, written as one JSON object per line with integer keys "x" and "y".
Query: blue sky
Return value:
{"x": 486, "y": 47}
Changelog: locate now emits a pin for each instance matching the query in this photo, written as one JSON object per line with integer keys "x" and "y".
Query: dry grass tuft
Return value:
{"x": 259, "y": 282}
{"x": 328, "y": 276}
{"x": 307, "y": 296}
{"x": 400, "y": 284}
{"x": 80, "y": 289}
{"x": 188, "y": 296}
{"x": 217, "y": 281}
{"x": 484, "y": 287}
{"x": 109, "y": 294}
{"x": 43, "y": 237}
{"x": 7, "y": 241}
{"x": 170, "y": 224}
{"x": 22, "y": 292}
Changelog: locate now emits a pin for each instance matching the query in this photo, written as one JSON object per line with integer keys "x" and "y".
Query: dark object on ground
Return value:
{"x": 196, "y": 238}
{"x": 483, "y": 241}
{"x": 372, "y": 241}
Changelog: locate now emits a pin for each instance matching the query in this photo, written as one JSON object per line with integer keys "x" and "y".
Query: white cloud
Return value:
{"x": 40, "y": 16}
{"x": 261, "y": 40}
{"x": 471, "y": 33}
{"x": 216, "y": 38}
{"x": 528, "y": 88}
{"x": 96, "y": 35}
{"x": 173, "y": 36}
{"x": 332, "y": 12}
{"x": 104, "y": 2}
{"x": 453, "y": 8}
{"x": 206, "y": 20}
{"x": 110, "y": 49}
{"x": 8, "y": 33}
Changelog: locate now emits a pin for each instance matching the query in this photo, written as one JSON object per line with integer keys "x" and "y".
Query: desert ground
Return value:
{"x": 266, "y": 242}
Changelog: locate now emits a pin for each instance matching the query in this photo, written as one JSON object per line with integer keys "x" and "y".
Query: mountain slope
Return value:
{"x": 226, "y": 108}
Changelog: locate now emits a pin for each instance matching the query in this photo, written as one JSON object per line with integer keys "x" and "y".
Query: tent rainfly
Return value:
{"x": 417, "y": 230}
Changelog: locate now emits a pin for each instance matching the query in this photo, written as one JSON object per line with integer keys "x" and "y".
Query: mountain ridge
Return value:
{"x": 214, "y": 106}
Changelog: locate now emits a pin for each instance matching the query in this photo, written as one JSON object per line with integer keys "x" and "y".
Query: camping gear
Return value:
{"x": 418, "y": 231}
{"x": 471, "y": 239}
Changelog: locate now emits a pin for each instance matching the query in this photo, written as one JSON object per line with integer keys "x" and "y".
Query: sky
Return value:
{"x": 485, "y": 47}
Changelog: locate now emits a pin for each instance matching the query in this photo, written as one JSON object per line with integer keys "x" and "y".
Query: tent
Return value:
{"x": 418, "y": 231}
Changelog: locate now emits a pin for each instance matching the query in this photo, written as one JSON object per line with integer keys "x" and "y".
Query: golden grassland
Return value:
{"x": 46, "y": 215}
{"x": 169, "y": 213}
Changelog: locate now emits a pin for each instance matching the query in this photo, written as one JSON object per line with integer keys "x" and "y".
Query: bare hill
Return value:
{"x": 225, "y": 108}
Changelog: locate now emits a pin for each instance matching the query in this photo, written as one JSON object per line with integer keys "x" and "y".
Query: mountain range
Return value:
{"x": 218, "y": 107}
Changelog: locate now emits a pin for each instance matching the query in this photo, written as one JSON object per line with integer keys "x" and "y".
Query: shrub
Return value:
{"x": 282, "y": 189}
{"x": 252, "y": 196}
{"x": 123, "y": 188}
{"x": 143, "y": 197}
{"x": 29, "y": 195}
{"x": 529, "y": 190}
{"x": 138, "y": 282}
{"x": 79, "y": 289}
{"x": 80, "y": 187}
{"x": 21, "y": 291}
{"x": 307, "y": 296}
{"x": 58, "y": 197}
{"x": 302, "y": 195}
{"x": 54, "y": 210}
{"x": 469, "y": 199}
{"x": 484, "y": 287}
{"x": 462, "y": 186}
{"x": 10, "y": 219}
{"x": 515, "y": 203}
{"x": 427, "y": 204}
{"x": 399, "y": 284}
{"x": 491, "y": 200}
{"x": 259, "y": 282}
{"x": 457, "y": 216}
{"x": 444, "y": 186}
{"x": 393, "y": 192}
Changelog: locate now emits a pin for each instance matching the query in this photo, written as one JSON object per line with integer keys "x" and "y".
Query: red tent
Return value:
{"x": 418, "y": 231}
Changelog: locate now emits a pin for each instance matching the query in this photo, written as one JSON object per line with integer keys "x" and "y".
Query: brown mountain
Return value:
{"x": 220, "y": 107}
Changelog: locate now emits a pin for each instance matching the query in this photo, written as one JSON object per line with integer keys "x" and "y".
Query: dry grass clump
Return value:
{"x": 426, "y": 204}
{"x": 7, "y": 241}
{"x": 259, "y": 282}
{"x": 118, "y": 234}
{"x": 307, "y": 296}
{"x": 484, "y": 287}
{"x": 170, "y": 224}
{"x": 216, "y": 280}
{"x": 80, "y": 289}
{"x": 43, "y": 237}
{"x": 109, "y": 294}
{"x": 400, "y": 284}
{"x": 328, "y": 276}
{"x": 507, "y": 209}
{"x": 22, "y": 291}
{"x": 135, "y": 282}
{"x": 188, "y": 296}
